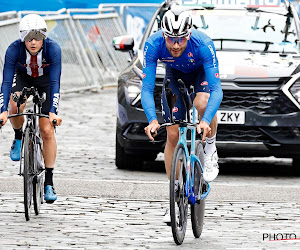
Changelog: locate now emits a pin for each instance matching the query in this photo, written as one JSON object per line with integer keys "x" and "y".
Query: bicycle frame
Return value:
{"x": 31, "y": 123}
{"x": 191, "y": 158}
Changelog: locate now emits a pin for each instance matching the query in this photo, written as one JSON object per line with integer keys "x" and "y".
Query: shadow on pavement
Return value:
{"x": 268, "y": 167}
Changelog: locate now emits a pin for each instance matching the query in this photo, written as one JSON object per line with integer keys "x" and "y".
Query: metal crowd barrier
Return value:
{"x": 88, "y": 58}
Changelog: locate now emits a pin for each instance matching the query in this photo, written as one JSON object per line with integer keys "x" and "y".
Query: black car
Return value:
{"x": 258, "y": 55}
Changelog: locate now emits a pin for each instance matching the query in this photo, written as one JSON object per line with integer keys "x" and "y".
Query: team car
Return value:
{"x": 258, "y": 55}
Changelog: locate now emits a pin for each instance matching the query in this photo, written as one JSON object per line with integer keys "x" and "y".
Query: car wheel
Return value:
{"x": 296, "y": 164}
{"x": 125, "y": 161}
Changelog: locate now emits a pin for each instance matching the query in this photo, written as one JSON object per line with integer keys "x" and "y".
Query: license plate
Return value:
{"x": 231, "y": 117}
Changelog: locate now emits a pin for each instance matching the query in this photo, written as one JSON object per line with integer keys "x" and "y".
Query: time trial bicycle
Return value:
{"x": 31, "y": 164}
{"x": 187, "y": 185}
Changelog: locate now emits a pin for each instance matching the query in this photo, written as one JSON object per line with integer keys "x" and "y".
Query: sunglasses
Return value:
{"x": 173, "y": 40}
{"x": 34, "y": 34}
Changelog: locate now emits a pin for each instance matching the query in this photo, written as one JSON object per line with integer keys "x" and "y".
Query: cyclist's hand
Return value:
{"x": 206, "y": 129}
{"x": 4, "y": 117}
{"x": 151, "y": 129}
{"x": 53, "y": 117}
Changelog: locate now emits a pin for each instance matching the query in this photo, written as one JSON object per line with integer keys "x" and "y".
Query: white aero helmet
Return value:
{"x": 32, "y": 26}
{"x": 176, "y": 23}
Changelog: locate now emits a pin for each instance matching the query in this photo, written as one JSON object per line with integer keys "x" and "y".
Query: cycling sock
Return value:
{"x": 210, "y": 146}
{"x": 18, "y": 133}
{"x": 48, "y": 176}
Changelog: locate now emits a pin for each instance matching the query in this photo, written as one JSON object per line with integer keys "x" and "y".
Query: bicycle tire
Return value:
{"x": 38, "y": 181}
{"x": 178, "y": 197}
{"x": 198, "y": 209}
{"x": 27, "y": 172}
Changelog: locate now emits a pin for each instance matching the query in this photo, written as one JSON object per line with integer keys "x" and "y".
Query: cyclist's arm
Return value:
{"x": 55, "y": 72}
{"x": 149, "y": 72}
{"x": 8, "y": 75}
{"x": 211, "y": 68}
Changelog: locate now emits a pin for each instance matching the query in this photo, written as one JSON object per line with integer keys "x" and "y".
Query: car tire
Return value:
{"x": 296, "y": 164}
{"x": 125, "y": 161}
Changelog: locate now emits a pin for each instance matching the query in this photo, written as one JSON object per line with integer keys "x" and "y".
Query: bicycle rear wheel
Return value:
{"x": 27, "y": 157}
{"x": 178, "y": 199}
{"x": 198, "y": 209}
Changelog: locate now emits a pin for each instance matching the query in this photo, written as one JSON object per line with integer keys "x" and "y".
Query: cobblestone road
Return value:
{"x": 101, "y": 207}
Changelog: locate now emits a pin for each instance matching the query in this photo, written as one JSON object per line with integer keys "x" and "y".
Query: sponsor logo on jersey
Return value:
{"x": 217, "y": 75}
{"x": 213, "y": 55}
{"x": 55, "y": 100}
{"x": 145, "y": 54}
{"x": 190, "y": 54}
{"x": 144, "y": 75}
{"x": 204, "y": 83}
{"x": 1, "y": 100}
{"x": 175, "y": 109}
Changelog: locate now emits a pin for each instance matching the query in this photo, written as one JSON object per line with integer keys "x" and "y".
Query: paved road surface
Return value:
{"x": 101, "y": 207}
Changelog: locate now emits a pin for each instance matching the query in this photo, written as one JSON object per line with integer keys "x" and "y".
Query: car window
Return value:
{"x": 262, "y": 31}
{"x": 244, "y": 30}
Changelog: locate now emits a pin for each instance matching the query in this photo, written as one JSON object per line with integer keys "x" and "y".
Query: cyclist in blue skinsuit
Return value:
{"x": 33, "y": 60}
{"x": 189, "y": 55}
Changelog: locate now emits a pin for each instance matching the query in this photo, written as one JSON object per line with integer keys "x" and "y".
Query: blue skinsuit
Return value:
{"x": 200, "y": 51}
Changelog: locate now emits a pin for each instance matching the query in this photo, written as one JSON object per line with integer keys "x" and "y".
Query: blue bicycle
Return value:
{"x": 187, "y": 185}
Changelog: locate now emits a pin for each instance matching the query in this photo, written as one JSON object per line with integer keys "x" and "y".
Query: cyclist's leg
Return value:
{"x": 47, "y": 130}
{"x": 178, "y": 113}
{"x": 49, "y": 153}
{"x": 202, "y": 95}
{"x": 20, "y": 81}
{"x": 49, "y": 141}
{"x": 172, "y": 139}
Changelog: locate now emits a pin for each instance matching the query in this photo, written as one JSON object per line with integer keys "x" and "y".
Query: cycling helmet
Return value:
{"x": 176, "y": 23}
{"x": 32, "y": 23}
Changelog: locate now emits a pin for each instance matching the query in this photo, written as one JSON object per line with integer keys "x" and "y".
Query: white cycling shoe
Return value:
{"x": 211, "y": 167}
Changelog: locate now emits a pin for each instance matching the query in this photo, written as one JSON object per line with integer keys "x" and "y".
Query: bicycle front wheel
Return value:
{"x": 27, "y": 157}
{"x": 197, "y": 210}
{"x": 178, "y": 199}
{"x": 38, "y": 181}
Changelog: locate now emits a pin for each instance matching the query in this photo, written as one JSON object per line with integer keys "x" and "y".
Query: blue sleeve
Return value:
{"x": 8, "y": 75}
{"x": 54, "y": 75}
{"x": 210, "y": 64}
{"x": 149, "y": 72}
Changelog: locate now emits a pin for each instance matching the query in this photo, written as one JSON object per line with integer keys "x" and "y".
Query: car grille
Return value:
{"x": 263, "y": 102}
{"x": 260, "y": 101}
{"x": 242, "y": 134}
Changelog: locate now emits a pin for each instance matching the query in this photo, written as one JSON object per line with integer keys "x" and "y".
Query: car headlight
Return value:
{"x": 292, "y": 89}
{"x": 134, "y": 87}
{"x": 295, "y": 90}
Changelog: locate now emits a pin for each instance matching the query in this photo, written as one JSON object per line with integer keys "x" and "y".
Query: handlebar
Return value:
{"x": 26, "y": 92}
{"x": 181, "y": 123}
